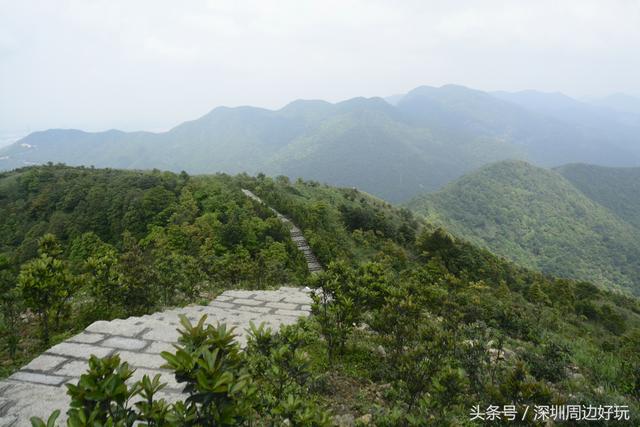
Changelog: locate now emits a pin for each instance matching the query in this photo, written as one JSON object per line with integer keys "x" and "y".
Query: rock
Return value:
{"x": 344, "y": 420}
{"x": 496, "y": 355}
{"x": 576, "y": 376}
{"x": 508, "y": 354}
{"x": 381, "y": 351}
{"x": 363, "y": 327}
{"x": 364, "y": 420}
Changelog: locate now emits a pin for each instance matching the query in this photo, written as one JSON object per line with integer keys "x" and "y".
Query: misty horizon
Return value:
{"x": 11, "y": 135}
{"x": 153, "y": 65}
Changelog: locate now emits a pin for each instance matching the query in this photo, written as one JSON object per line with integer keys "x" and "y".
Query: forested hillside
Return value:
{"x": 538, "y": 219}
{"x": 416, "y": 326}
{"x": 618, "y": 189}
{"x": 119, "y": 243}
{"x": 427, "y": 138}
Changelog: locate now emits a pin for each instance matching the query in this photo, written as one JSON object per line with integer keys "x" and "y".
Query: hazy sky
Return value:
{"x": 99, "y": 64}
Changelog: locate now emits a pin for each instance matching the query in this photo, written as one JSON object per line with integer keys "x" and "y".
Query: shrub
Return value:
{"x": 221, "y": 381}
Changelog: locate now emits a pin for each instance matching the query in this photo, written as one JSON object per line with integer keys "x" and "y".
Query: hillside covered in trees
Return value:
{"x": 539, "y": 219}
{"x": 617, "y": 189}
{"x": 414, "y": 328}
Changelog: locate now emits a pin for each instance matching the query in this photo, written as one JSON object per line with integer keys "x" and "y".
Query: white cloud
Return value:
{"x": 153, "y": 63}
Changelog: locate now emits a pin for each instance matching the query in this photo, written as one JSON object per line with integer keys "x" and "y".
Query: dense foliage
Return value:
{"x": 411, "y": 326}
{"x": 416, "y": 325}
{"x": 78, "y": 245}
{"x": 267, "y": 384}
{"x": 538, "y": 219}
{"x": 617, "y": 189}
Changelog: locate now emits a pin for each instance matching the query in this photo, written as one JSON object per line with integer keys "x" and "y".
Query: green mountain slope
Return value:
{"x": 428, "y": 137}
{"x": 416, "y": 325}
{"x": 618, "y": 189}
{"x": 539, "y": 219}
{"x": 360, "y": 142}
{"x": 607, "y": 136}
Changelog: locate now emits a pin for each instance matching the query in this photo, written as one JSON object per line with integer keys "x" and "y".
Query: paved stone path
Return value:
{"x": 296, "y": 235}
{"x": 39, "y": 387}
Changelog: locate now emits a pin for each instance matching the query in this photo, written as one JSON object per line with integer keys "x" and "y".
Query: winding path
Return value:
{"x": 39, "y": 387}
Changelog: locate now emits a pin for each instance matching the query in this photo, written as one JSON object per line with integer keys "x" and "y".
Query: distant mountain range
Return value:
{"x": 620, "y": 102}
{"x": 576, "y": 221}
{"x": 395, "y": 149}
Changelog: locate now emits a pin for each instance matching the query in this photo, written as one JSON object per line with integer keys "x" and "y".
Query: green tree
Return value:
{"x": 334, "y": 305}
{"x": 273, "y": 261}
{"x": 46, "y": 284}
{"x": 104, "y": 284}
{"x": 136, "y": 277}
{"x": 186, "y": 210}
{"x": 177, "y": 276}
{"x": 10, "y": 303}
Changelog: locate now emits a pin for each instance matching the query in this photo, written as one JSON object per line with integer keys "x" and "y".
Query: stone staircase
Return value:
{"x": 39, "y": 387}
{"x": 296, "y": 235}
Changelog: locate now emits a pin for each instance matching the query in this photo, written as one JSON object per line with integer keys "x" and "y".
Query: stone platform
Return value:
{"x": 39, "y": 388}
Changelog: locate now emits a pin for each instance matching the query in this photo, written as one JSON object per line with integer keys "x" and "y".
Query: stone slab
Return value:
{"x": 282, "y": 305}
{"x": 270, "y": 296}
{"x": 73, "y": 368}
{"x": 142, "y": 360}
{"x": 79, "y": 350}
{"x": 33, "y": 377}
{"x": 238, "y": 294}
{"x": 247, "y": 301}
{"x": 45, "y": 362}
{"x": 299, "y": 298}
{"x": 221, "y": 304}
{"x": 87, "y": 338}
{"x": 125, "y": 343}
{"x": 158, "y": 347}
{"x": 116, "y": 327}
{"x": 262, "y": 310}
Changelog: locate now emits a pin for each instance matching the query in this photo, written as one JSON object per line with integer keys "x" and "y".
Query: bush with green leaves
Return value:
{"x": 215, "y": 373}
{"x": 280, "y": 367}
{"x": 334, "y": 305}
{"x": 225, "y": 386}
{"x": 103, "y": 397}
{"x": 551, "y": 363}
{"x": 416, "y": 347}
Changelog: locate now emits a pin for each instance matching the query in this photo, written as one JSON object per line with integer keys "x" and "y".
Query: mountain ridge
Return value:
{"x": 431, "y": 136}
{"x": 539, "y": 219}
